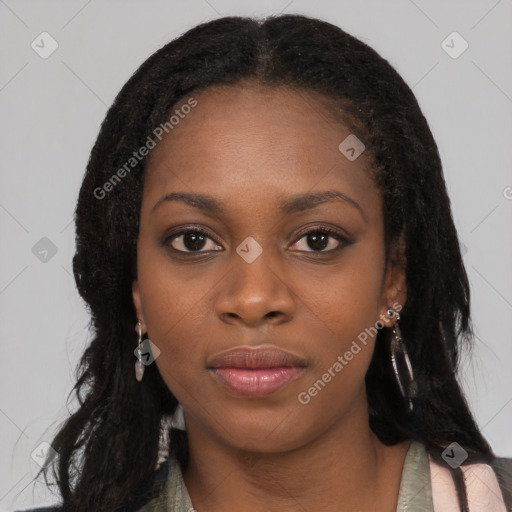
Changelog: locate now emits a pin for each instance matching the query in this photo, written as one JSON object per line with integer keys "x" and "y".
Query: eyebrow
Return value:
{"x": 290, "y": 205}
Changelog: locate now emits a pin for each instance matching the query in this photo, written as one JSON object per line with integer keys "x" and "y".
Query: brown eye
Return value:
{"x": 318, "y": 240}
{"x": 191, "y": 240}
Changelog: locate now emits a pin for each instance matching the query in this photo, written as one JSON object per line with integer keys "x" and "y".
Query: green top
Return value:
{"x": 415, "y": 493}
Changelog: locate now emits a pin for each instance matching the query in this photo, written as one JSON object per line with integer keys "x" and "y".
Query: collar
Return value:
{"x": 415, "y": 493}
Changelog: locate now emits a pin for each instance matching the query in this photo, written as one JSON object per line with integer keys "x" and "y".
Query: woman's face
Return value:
{"x": 264, "y": 273}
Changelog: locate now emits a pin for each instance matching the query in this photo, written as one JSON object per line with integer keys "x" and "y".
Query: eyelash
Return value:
{"x": 323, "y": 229}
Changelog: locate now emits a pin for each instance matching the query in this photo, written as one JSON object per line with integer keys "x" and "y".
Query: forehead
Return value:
{"x": 264, "y": 142}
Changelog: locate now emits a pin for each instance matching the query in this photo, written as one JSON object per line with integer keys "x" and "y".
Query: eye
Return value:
{"x": 321, "y": 238}
{"x": 191, "y": 241}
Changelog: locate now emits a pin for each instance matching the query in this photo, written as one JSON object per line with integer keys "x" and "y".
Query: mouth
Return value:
{"x": 256, "y": 372}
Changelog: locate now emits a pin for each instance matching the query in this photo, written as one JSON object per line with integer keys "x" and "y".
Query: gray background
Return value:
{"x": 51, "y": 112}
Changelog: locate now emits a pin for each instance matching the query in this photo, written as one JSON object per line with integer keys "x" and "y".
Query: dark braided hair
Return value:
{"x": 109, "y": 446}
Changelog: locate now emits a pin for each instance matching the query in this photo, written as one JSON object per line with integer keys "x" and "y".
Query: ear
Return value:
{"x": 394, "y": 290}
{"x": 138, "y": 306}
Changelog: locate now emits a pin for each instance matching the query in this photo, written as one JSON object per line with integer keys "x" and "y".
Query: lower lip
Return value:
{"x": 258, "y": 382}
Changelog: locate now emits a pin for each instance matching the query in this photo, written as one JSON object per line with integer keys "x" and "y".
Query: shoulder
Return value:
{"x": 503, "y": 469}
{"x": 148, "y": 490}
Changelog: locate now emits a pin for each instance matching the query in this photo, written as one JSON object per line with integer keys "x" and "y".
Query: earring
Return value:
{"x": 400, "y": 356}
{"x": 139, "y": 367}
{"x": 178, "y": 419}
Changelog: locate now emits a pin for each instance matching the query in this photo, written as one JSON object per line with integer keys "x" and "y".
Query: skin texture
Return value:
{"x": 251, "y": 148}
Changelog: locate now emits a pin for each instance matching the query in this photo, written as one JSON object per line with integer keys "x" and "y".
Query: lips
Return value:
{"x": 256, "y": 358}
{"x": 255, "y": 372}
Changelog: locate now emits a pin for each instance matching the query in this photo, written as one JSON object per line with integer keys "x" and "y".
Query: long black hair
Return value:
{"x": 109, "y": 446}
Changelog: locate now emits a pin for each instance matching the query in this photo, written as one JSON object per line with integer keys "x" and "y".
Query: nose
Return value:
{"x": 255, "y": 293}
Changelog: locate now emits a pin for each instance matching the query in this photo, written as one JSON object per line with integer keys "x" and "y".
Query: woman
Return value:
{"x": 264, "y": 232}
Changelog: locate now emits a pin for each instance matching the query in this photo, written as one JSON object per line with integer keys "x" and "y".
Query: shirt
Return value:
{"x": 415, "y": 494}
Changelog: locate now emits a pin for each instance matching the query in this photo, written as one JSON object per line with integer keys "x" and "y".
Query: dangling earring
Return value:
{"x": 139, "y": 367}
{"x": 399, "y": 355}
{"x": 178, "y": 419}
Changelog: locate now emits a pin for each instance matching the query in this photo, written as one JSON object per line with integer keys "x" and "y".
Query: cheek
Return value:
{"x": 346, "y": 299}
{"x": 345, "y": 339}
{"x": 343, "y": 314}
{"x": 174, "y": 310}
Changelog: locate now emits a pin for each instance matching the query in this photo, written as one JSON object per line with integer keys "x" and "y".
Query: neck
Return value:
{"x": 345, "y": 466}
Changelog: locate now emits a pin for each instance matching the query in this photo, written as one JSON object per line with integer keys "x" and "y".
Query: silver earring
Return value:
{"x": 139, "y": 367}
{"x": 178, "y": 419}
{"x": 400, "y": 357}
